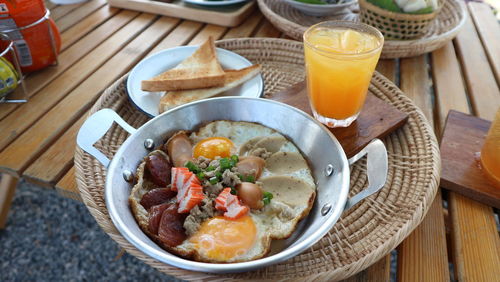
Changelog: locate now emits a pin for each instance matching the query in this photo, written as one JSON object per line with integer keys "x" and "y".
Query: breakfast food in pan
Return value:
{"x": 222, "y": 193}
{"x": 199, "y": 76}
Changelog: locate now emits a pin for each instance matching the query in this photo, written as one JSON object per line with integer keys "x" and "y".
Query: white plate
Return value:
{"x": 214, "y": 3}
{"x": 164, "y": 60}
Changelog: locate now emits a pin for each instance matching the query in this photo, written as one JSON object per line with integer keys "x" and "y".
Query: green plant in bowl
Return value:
{"x": 407, "y": 6}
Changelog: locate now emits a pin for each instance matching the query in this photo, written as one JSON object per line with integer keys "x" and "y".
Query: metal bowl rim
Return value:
{"x": 288, "y": 253}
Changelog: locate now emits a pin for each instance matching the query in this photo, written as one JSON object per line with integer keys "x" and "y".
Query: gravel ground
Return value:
{"x": 51, "y": 238}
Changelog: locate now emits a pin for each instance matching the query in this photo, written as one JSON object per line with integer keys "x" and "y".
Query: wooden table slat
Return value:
{"x": 7, "y": 189}
{"x": 481, "y": 83}
{"x": 61, "y": 10}
{"x": 54, "y": 91}
{"x": 181, "y": 35}
{"x": 380, "y": 271}
{"x": 472, "y": 255}
{"x": 54, "y": 123}
{"x": 50, "y": 5}
{"x": 422, "y": 256}
{"x": 266, "y": 29}
{"x": 88, "y": 24}
{"x": 67, "y": 186}
{"x": 387, "y": 68}
{"x": 415, "y": 83}
{"x": 68, "y": 58}
{"x": 476, "y": 243}
{"x": 489, "y": 32}
{"x": 78, "y": 14}
{"x": 51, "y": 166}
{"x": 209, "y": 30}
{"x": 448, "y": 85}
{"x": 246, "y": 28}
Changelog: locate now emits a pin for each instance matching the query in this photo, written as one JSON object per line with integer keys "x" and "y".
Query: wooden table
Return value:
{"x": 100, "y": 44}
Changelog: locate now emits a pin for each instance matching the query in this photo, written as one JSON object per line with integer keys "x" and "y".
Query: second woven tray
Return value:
{"x": 443, "y": 29}
{"x": 362, "y": 235}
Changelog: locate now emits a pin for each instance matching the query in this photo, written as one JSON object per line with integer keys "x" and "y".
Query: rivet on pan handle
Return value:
{"x": 94, "y": 129}
{"x": 376, "y": 169}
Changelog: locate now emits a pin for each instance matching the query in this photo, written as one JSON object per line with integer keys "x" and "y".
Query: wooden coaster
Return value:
{"x": 376, "y": 120}
{"x": 463, "y": 138}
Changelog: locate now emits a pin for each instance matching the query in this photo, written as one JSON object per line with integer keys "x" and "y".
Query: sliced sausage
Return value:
{"x": 171, "y": 230}
{"x": 179, "y": 149}
{"x": 155, "y": 214}
{"x": 158, "y": 167}
{"x": 250, "y": 194}
{"x": 251, "y": 165}
{"x": 157, "y": 196}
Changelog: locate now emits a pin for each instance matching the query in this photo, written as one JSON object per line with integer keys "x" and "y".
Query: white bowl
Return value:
{"x": 322, "y": 10}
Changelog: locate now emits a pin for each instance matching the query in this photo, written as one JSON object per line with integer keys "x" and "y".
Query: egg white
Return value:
{"x": 259, "y": 248}
{"x": 277, "y": 220}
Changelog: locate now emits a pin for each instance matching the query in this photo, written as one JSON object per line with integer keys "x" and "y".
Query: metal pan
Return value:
{"x": 328, "y": 161}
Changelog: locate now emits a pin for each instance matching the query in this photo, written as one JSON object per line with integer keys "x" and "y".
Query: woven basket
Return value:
{"x": 396, "y": 26}
{"x": 362, "y": 235}
{"x": 443, "y": 29}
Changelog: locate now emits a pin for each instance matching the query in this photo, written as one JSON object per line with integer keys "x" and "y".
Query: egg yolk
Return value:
{"x": 213, "y": 147}
{"x": 222, "y": 239}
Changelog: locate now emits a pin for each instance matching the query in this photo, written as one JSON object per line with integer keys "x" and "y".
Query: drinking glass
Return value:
{"x": 340, "y": 58}
{"x": 490, "y": 153}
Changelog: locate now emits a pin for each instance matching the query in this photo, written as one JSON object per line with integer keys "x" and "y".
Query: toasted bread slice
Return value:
{"x": 200, "y": 70}
{"x": 233, "y": 78}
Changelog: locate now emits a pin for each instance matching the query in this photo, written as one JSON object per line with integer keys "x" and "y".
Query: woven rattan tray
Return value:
{"x": 443, "y": 29}
{"x": 362, "y": 236}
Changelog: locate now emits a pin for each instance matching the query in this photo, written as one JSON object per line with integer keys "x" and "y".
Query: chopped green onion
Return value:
{"x": 218, "y": 174}
{"x": 200, "y": 175}
{"x": 213, "y": 180}
{"x": 250, "y": 178}
{"x": 267, "y": 198}
{"x": 192, "y": 167}
{"x": 225, "y": 163}
{"x": 234, "y": 160}
{"x": 246, "y": 178}
{"x": 233, "y": 191}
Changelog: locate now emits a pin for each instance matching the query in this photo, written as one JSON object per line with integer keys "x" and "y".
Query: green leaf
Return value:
{"x": 425, "y": 10}
{"x": 389, "y": 5}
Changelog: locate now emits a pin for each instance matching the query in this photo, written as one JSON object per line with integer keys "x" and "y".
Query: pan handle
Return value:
{"x": 376, "y": 169}
{"x": 94, "y": 129}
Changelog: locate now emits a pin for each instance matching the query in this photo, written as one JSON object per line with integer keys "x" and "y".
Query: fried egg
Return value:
{"x": 229, "y": 240}
{"x": 286, "y": 175}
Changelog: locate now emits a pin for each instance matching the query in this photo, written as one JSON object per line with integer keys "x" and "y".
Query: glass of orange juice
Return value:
{"x": 490, "y": 153}
{"x": 340, "y": 59}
